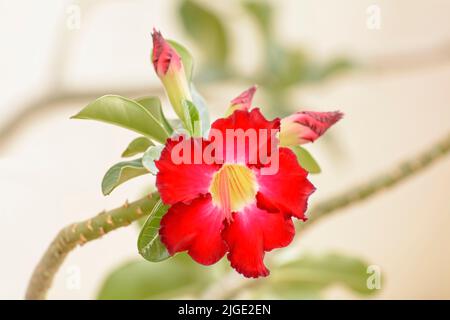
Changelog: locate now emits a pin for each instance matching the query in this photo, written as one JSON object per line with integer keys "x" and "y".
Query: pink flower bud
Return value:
{"x": 169, "y": 68}
{"x": 306, "y": 126}
{"x": 164, "y": 57}
{"x": 243, "y": 101}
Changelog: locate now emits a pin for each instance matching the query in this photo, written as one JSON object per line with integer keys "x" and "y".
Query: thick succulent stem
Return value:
{"x": 380, "y": 182}
{"x": 77, "y": 234}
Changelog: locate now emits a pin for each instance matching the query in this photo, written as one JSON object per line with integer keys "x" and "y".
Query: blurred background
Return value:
{"x": 385, "y": 64}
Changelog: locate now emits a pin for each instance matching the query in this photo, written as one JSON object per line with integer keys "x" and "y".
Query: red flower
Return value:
{"x": 229, "y": 205}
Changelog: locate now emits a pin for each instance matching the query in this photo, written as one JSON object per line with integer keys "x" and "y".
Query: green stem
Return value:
{"x": 77, "y": 234}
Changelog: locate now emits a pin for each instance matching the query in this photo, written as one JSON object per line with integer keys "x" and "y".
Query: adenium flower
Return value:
{"x": 229, "y": 206}
{"x": 306, "y": 126}
{"x": 231, "y": 202}
{"x": 169, "y": 68}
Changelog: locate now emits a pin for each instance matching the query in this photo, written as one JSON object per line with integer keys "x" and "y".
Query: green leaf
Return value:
{"x": 291, "y": 66}
{"x": 137, "y": 280}
{"x": 262, "y": 12}
{"x": 153, "y": 105}
{"x": 138, "y": 145}
{"x": 126, "y": 113}
{"x": 177, "y": 125}
{"x": 121, "y": 172}
{"x": 207, "y": 30}
{"x": 192, "y": 116}
{"x": 333, "y": 67}
{"x": 202, "y": 109}
{"x": 308, "y": 276}
{"x": 149, "y": 244}
{"x": 148, "y": 159}
{"x": 306, "y": 160}
{"x": 186, "y": 58}
{"x": 319, "y": 272}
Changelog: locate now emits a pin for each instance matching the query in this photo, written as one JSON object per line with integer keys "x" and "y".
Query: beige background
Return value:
{"x": 51, "y": 167}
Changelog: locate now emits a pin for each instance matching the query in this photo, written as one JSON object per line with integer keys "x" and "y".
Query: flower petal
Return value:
{"x": 246, "y": 136}
{"x": 252, "y": 232}
{"x": 195, "y": 227}
{"x": 288, "y": 190}
{"x": 187, "y": 180}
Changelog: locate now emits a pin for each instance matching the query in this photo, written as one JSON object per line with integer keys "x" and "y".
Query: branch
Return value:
{"x": 380, "y": 182}
{"x": 80, "y": 233}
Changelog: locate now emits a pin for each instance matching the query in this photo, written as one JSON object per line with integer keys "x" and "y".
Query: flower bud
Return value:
{"x": 306, "y": 126}
{"x": 242, "y": 102}
{"x": 169, "y": 68}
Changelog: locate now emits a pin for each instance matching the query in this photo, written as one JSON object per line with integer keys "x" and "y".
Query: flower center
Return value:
{"x": 233, "y": 187}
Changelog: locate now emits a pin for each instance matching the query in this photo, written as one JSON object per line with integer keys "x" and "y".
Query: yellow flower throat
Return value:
{"x": 233, "y": 187}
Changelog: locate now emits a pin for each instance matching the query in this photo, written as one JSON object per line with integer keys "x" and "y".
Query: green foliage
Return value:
{"x": 306, "y": 160}
{"x": 206, "y": 28}
{"x": 284, "y": 66}
{"x": 121, "y": 172}
{"x": 176, "y": 124}
{"x": 303, "y": 278}
{"x": 310, "y": 275}
{"x": 202, "y": 109}
{"x": 293, "y": 66}
{"x": 138, "y": 145}
{"x": 262, "y": 12}
{"x": 126, "y": 113}
{"x": 153, "y": 105}
{"x": 333, "y": 67}
{"x": 139, "y": 280}
{"x": 148, "y": 159}
{"x": 149, "y": 244}
{"x": 192, "y": 117}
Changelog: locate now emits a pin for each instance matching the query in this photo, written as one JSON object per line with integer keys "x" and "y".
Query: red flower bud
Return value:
{"x": 164, "y": 57}
{"x": 169, "y": 68}
{"x": 306, "y": 126}
{"x": 243, "y": 101}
